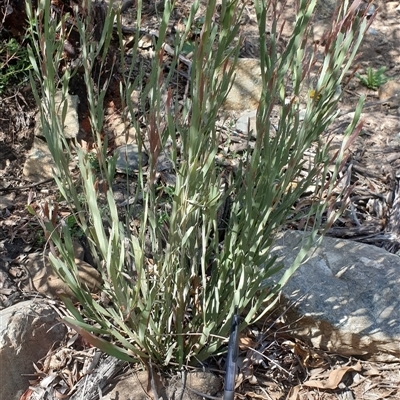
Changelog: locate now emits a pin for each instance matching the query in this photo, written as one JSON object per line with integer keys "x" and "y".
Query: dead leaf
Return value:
{"x": 309, "y": 357}
{"x": 372, "y": 371}
{"x": 335, "y": 377}
{"x": 253, "y": 395}
{"x": 293, "y": 393}
{"x": 246, "y": 342}
{"x": 26, "y": 395}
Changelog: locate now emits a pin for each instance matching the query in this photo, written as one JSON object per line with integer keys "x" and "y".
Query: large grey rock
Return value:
{"x": 348, "y": 296}
{"x": 27, "y": 332}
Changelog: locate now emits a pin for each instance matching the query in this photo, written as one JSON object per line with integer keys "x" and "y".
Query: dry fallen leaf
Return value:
{"x": 310, "y": 358}
{"x": 372, "y": 371}
{"x": 335, "y": 377}
{"x": 252, "y": 395}
{"x": 26, "y": 395}
{"x": 246, "y": 342}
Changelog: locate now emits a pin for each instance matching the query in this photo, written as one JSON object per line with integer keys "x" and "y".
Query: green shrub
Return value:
{"x": 14, "y": 64}
{"x": 174, "y": 283}
{"x": 373, "y": 79}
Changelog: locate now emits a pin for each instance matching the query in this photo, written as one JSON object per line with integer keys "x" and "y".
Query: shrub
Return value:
{"x": 172, "y": 304}
{"x": 14, "y": 63}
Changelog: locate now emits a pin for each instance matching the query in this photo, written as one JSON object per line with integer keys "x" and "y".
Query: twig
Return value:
{"x": 18, "y": 188}
{"x": 152, "y": 381}
{"x": 184, "y": 373}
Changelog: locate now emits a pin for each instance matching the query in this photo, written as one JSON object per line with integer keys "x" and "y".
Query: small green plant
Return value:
{"x": 93, "y": 161}
{"x": 195, "y": 30}
{"x": 40, "y": 240}
{"x": 374, "y": 78}
{"x": 14, "y": 64}
{"x": 74, "y": 227}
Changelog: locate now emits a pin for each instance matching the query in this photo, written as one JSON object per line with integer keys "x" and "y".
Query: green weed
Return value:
{"x": 14, "y": 64}
{"x": 374, "y": 78}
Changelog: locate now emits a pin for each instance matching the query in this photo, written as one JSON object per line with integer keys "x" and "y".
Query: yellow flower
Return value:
{"x": 314, "y": 95}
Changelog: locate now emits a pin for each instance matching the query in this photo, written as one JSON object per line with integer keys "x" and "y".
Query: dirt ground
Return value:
{"x": 375, "y": 167}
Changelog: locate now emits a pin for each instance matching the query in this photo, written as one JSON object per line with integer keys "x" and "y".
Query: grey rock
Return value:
{"x": 128, "y": 158}
{"x": 39, "y": 164}
{"x": 134, "y": 385}
{"x": 164, "y": 163}
{"x": 71, "y": 123}
{"x": 348, "y": 296}
{"x": 27, "y": 331}
{"x": 44, "y": 279}
{"x": 7, "y": 201}
{"x": 242, "y": 124}
{"x": 250, "y": 116}
{"x": 247, "y": 88}
{"x": 390, "y": 91}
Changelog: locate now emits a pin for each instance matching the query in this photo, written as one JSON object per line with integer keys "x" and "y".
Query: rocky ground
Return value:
{"x": 374, "y": 219}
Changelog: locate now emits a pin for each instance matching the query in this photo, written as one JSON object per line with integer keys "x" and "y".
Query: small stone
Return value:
{"x": 71, "y": 123}
{"x": 247, "y": 87}
{"x": 392, "y": 6}
{"x": 135, "y": 99}
{"x": 367, "y": 9}
{"x": 164, "y": 163}
{"x": 47, "y": 282}
{"x": 79, "y": 251}
{"x": 7, "y": 201}
{"x": 146, "y": 41}
{"x": 128, "y": 158}
{"x": 201, "y": 381}
{"x": 133, "y": 386}
{"x": 169, "y": 178}
{"x": 388, "y": 90}
{"x": 124, "y": 134}
{"x": 319, "y": 29}
{"x": 39, "y": 164}
{"x": 204, "y": 382}
{"x": 242, "y": 124}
